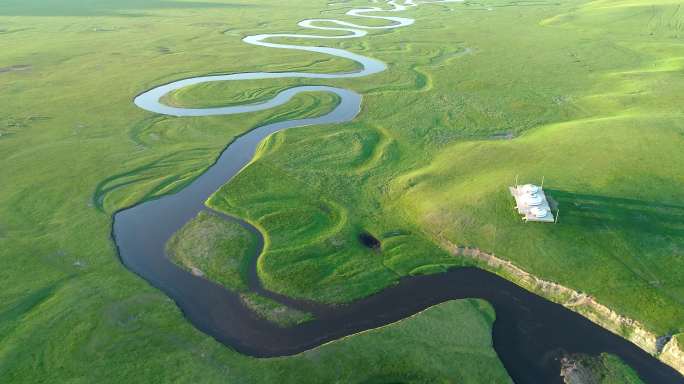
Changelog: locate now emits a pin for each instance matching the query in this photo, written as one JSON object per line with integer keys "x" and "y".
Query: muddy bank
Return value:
{"x": 581, "y": 303}
{"x": 673, "y": 354}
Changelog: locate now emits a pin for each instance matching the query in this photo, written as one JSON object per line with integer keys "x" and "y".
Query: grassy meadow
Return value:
{"x": 222, "y": 250}
{"x": 588, "y": 93}
{"x": 75, "y": 149}
{"x": 588, "y": 90}
{"x": 217, "y": 248}
{"x": 613, "y": 371}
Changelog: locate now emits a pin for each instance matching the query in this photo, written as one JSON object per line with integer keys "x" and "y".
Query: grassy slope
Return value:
{"x": 219, "y": 248}
{"x": 591, "y": 93}
{"x": 132, "y": 342}
{"x": 616, "y": 371}
{"x": 75, "y": 149}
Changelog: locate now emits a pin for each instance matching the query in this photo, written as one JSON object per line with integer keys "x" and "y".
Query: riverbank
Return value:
{"x": 669, "y": 352}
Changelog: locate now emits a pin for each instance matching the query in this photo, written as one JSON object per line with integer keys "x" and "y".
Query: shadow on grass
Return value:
{"x": 600, "y": 212}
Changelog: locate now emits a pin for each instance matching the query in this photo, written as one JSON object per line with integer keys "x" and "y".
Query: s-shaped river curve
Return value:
{"x": 530, "y": 333}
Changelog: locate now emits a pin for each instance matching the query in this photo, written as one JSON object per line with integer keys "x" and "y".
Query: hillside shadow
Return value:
{"x": 600, "y": 212}
{"x": 47, "y": 8}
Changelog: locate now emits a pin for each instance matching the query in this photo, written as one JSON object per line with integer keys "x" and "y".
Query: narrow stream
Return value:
{"x": 530, "y": 333}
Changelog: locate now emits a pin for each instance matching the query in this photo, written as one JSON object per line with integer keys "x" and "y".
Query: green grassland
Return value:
{"x": 614, "y": 371}
{"x": 217, "y": 248}
{"x": 590, "y": 95}
{"x": 221, "y": 251}
{"x": 75, "y": 149}
{"x": 132, "y": 342}
{"x": 274, "y": 311}
{"x": 589, "y": 90}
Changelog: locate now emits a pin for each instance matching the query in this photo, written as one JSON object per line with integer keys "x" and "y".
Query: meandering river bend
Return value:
{"x": 530, "y": 333}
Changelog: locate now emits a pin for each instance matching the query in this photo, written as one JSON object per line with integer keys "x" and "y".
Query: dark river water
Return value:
{"x": 530, "y": 333}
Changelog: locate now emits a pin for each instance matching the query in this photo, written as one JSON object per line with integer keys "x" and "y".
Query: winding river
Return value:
{"x": 530, "y": 333}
